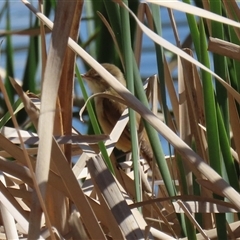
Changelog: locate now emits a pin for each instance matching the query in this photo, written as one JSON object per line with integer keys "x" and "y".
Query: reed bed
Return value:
{"x": 193, "y": 193}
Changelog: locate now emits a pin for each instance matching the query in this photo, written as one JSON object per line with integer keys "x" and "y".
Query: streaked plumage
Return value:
{"x": 108, "y": 111}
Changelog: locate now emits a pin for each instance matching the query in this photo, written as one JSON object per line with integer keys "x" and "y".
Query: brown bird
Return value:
{"x": 108, "y": 111}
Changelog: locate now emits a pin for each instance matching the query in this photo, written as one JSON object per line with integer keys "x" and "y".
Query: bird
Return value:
{"x": 108, "y": 111}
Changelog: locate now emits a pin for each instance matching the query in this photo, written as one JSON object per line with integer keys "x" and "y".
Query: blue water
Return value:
{"x": 21, "y": 17}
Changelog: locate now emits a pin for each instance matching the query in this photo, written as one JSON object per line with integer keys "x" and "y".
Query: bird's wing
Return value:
{"x": 108, "y": 119}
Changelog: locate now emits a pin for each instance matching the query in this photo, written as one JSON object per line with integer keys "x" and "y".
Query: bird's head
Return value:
{"x": 97, "y": 84}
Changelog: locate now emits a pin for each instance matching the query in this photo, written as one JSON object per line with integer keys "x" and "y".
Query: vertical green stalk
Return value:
{"x": 9, "y": 57}
{"x": 187, "y": 226}
{"x": 49, "y": 6}
{"x": 234, "y": 74}
{"x": 159, "y": 55}
{"x": 153, "y": 136}
{"x": 231, "y": 172}
{"x": 127, "y": 54}
{"x": 31, "y": 64}
{"x": 220, "y": 67}
{"x": 209, "y": 106}
{"x": 234, "y": 65}
{"x": 193, "y": 26}
{"x": 29, "y": 80}
{"x": 112, "y": 10}
{"x": 211, "y": 124}
{"x": 220, "y": 64}
{"x": 104, "y": 43}
{"x": 227, "y": 156}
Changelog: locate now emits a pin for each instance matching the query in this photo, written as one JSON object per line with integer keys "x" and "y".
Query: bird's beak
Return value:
{"x": 86, "y": 77}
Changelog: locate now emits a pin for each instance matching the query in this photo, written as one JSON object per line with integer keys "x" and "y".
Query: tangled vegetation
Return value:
{"x": 193, "y": 193}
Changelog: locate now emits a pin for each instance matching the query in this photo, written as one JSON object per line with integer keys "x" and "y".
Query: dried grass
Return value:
{"x": 86, "y": 201}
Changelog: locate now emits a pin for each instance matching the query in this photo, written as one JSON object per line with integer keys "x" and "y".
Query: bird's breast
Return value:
{"x": 108, "y": 113}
